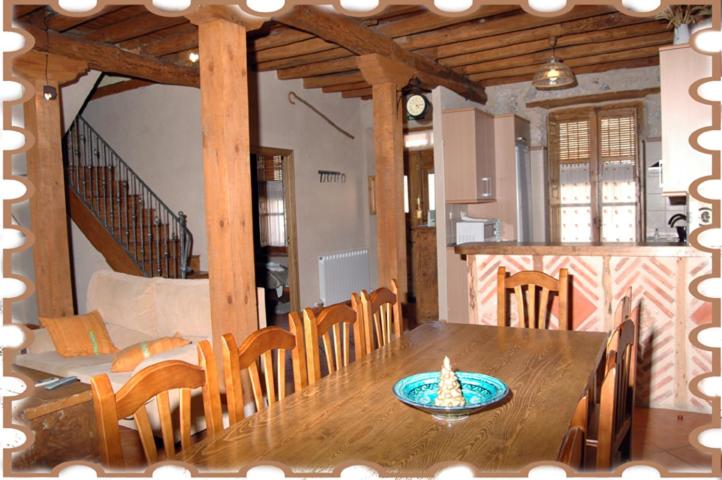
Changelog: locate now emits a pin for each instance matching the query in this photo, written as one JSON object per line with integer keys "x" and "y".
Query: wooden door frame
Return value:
{"x": 289, "y": 200}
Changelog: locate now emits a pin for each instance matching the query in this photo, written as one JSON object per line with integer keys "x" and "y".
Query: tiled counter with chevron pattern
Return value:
{"x": 600, "y": 275}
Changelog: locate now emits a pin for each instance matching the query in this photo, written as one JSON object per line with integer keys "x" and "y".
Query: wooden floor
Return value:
{"x": 662, "y": 436}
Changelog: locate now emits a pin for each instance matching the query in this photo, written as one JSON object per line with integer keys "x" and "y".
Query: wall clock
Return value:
{"x": 416, "y": 106}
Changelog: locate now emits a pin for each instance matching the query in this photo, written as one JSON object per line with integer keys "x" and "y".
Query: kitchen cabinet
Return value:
{"x": 469, "y": 156}
{"x": 680, "y": 66}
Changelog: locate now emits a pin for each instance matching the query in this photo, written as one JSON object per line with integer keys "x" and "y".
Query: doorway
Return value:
{"x": 274, "y": 231}
{"x": 420, "y": 209}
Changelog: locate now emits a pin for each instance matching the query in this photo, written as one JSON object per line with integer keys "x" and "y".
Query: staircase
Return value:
{"x": 122, "y": 217}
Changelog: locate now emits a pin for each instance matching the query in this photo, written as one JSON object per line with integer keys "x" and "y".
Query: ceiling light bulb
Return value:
{"x": 50, "y": 93}
{"x": 553, "y": 73}
{"x": 193, "y": 57}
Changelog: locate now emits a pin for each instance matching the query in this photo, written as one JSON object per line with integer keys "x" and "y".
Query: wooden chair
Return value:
{"x": 259, "y": 347}
{"x": 155, "y": 382}
{"x": 333, "y": 320}
{"x": 535, "y": 313}
{"x": 574, "y": 444}
{"x": 381, "y": 316}
{"x": 616, "y": 405}
{"x": 624, "y": 307}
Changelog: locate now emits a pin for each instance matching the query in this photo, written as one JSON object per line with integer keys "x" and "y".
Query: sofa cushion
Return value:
{"x": 183, "y": 306}
{"x": 125, "y": 300}
{"x": 129, "y": 358}
{"x": 41, "y": 341}
{"x": 187, "y": 353}
{"x": 79, "y": 335}
{"x": 123, "y": 337}
{"x": 53, "y": 363}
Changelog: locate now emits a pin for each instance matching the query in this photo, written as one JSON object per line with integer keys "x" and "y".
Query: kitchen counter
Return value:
{"x": 656, "y": 249}
{"x": 659, "y": 275}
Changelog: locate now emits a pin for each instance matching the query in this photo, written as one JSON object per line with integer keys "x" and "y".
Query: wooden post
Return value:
{"x": 227, "y": 173}
{"x": 387, "y": 78}
{"x": 48, "y": 211}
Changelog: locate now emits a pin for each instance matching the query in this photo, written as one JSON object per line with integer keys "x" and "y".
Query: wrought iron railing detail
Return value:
{"x": 156, "y": 238}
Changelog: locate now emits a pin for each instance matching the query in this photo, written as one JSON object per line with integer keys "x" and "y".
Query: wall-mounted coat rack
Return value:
{"x": 330, "y": 176}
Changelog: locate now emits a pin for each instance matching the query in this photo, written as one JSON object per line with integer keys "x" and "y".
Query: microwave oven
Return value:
{"x": 478, "y": 230}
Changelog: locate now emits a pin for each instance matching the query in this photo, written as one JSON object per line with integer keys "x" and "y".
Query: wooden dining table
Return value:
{"x": 352, "y": 416}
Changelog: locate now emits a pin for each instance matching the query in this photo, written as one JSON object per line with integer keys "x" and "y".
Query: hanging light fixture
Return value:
{"x": 553, "y": 74}
{"x": 49, "y": 92}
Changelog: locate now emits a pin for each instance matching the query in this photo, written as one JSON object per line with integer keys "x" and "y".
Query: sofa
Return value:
{"x": 134, "y": 309}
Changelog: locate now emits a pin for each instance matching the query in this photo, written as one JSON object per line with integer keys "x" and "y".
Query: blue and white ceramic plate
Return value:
{"x": 480, "y": 391}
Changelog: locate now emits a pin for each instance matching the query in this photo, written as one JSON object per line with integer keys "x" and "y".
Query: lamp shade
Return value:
{"x": 553, "y": 74}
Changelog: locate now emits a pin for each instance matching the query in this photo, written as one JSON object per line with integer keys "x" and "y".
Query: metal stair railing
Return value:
{"x": 156, "y": 239}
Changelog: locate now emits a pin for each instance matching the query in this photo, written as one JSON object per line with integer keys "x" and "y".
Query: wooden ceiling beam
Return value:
{"x": 543, "y": 46}
{"x": 111, "y": 59}
{"x": 322, "y": 68}
{"x": 300, "y": 60}
{"x": 61, "y": 23}
{"x": 119, "y": 87}
{"x": 173, "y": 43}
{"x": 346, "y": 86}
{"x": 279, "y": 37}
{"x": 22, "y": 10}
{"x": 313, "y": 45}
{"x": 137, "y": 43}
{"x": 133, "y": 27}
{"x": 567, "y": 54}
{"x": 573, "y": 63}
{"x": 335, "y": 79}
{"x": 593, "y": 98}
{"x": 596, "y": 68}
{"x": 298, "y": 55}
{"x": 587, "y": 30}
{"x": 361, "y": 92}
{"x": 461, "y": 35}
{"x": 362, "y": 41}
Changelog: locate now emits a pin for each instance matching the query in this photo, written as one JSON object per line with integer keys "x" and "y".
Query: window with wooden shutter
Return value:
{"x": 594, "y": 172}
{"x": 271, "y": 201}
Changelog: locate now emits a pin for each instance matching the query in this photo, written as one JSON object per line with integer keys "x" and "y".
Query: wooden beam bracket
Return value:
{"x": 378, "y": 69}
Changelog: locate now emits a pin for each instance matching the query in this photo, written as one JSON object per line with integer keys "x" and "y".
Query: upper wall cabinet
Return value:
{"x": 469, "y": 156}
{"x": 680, "y": 66}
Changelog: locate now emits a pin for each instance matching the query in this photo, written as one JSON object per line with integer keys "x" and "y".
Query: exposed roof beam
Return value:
{"x": 173, "y": 43}
{"x": 459, "y": 35}
{"x": 60, "y": 23}
{"x": 525, "y": 69}
{"x": 111, "y": 59}
{"x": 593, "y": 98}
{"x": 586, "y": 30}
{"x": 335, "y": 79}
{"x": 595, "y": 68}
{"x": 567, "y": 54}
{"x": 119, "y": 87}
{"x": 133, "y": 27}
{"x": 310, "y": 52}
{"x": 362, "y": 41}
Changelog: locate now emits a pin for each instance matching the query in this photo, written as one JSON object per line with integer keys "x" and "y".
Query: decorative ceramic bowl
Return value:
{"x": 480, "y": 392}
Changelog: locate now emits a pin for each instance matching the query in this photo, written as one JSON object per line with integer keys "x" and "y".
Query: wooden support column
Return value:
{"x": 48, "y": 211}
{"x": 387, "y": 78}
{"x": 227, "y": 174}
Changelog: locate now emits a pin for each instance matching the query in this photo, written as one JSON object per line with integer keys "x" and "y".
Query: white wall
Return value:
{"x": 72, "y": 98}
{"x": 157, "y": 131}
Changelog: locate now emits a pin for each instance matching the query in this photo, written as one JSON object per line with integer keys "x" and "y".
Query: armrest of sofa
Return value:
{"x": 41, "y": 341}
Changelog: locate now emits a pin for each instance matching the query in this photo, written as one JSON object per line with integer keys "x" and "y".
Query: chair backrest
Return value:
{"x": 532, "y": 311}
{"x": 156, "y": 382}
{"x": 334, "y": 320}
{"x": 617, "y": 395}
{"x": 382, "y": 316}
{"x": 624, "y": 308}
{"x": 258, "y": 348}
{"x": 573, "y": 446}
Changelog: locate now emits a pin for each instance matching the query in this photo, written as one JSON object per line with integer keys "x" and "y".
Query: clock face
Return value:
{"x": 416, "y": 105}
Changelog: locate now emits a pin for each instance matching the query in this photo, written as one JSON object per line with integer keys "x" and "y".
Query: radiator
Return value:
{"x": 341, "y": 274}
